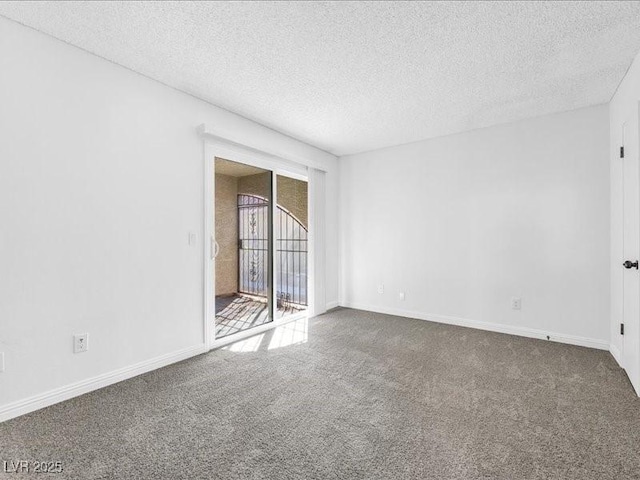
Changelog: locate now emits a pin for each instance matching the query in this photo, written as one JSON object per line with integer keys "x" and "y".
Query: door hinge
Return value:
{"x": 622, "y": 329}
{"x": 621, "y": 152}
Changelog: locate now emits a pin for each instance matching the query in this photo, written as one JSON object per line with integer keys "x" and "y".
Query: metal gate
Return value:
{"x": 291, "y": 245}
{"x": 253, "y": 245}
{"x": 291, "y": 259}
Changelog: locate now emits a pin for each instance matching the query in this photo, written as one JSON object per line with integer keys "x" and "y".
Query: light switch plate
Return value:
{"x": 80, "y": 343}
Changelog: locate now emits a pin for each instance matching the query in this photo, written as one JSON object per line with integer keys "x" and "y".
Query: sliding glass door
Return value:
{"x": 261, "y": 247}
{"x": 291, "y": 246}
{"x": 244, "y": 247}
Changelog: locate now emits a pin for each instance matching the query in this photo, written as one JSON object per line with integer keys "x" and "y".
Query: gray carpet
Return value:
{"x": 365, "y": 396}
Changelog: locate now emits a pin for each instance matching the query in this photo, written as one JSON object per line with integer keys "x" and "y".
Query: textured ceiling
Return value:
{"x": 355, "y": 76}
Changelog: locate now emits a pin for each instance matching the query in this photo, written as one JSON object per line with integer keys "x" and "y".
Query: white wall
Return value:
{"x": 463, "y": 223}
{"x": 623, "y": 105}
{"x": 101, "y": 179}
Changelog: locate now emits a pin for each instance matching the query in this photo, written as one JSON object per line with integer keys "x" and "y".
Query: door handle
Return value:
{"x": 630, "y": 264}
{"x": 215, "y": 248}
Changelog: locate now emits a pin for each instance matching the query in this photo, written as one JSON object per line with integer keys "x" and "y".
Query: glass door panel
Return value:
{"x": 243, "y": 233}
{"x": 291, "y": 246}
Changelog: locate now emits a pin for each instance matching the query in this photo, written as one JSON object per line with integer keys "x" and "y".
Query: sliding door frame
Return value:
{"x": 213, "y": 148}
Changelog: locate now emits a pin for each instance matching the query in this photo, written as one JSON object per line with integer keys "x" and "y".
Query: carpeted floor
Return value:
{"x": 356, "y": 396}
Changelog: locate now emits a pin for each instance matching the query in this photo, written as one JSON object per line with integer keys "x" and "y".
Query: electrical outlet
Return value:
{"x": 80, "y": 343}
{"x": 401, "y": 296}
{"x": 1, "y": 362}
{"x": 516, "y": 303}
{"x": 380, "y": 289}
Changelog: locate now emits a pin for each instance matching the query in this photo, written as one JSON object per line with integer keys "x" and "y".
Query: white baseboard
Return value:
{"x": 334, "y": 304}
{"x": 51, "y": 397}
{"x": 480, "y": 325}
{"x": 616, "y": 354}
{"x": 60, "y": 394}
